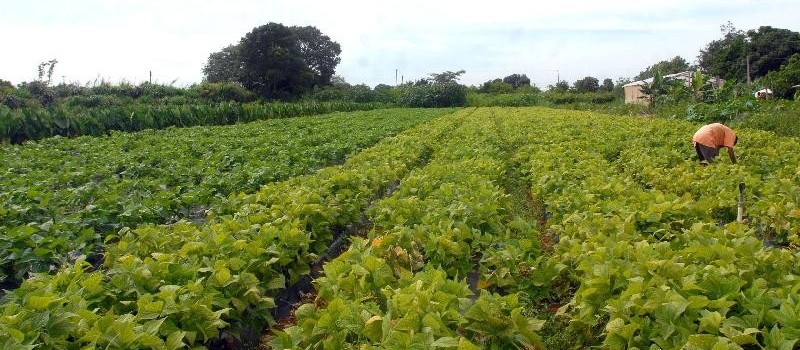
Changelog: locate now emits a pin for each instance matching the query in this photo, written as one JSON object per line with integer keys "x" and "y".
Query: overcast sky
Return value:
{"x": 124, "y": 40}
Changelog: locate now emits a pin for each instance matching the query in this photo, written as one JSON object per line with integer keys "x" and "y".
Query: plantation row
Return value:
{"x": 165, "y": 286}
{"x": 644, "y": 265}
{"x": 67, "y": 195}
{"x": 404, "y": 287}
{"x": 487, "y": 228}
{"x": 19, "y": 125}
{"x": 646, "y": 238}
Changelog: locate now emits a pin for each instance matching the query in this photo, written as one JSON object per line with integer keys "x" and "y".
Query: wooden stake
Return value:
{"x": 740, "y": 213}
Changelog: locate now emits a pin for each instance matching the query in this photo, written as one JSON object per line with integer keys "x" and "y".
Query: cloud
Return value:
{"x": 124, "y": 40}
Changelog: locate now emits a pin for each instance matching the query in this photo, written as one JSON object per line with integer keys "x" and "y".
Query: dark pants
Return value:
{"x": 706, "y": 153}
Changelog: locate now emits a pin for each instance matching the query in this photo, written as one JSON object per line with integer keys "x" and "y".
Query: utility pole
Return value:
{"x": 749, "y": 82}
{"x": 151, "y": 77}
{"x": 395, "y": 77}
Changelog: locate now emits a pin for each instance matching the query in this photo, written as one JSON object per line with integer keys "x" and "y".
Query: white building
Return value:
{"x": 634, "y": 94}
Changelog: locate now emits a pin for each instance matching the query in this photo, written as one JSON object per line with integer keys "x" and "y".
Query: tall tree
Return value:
{"x": 320, "y": 53}
{"x": 768, "y": 48}
{"x": 676, "y": 65}
{"x": 276, "y": 61}
{"x": 726, "y": 57}
{"x": 223, "y": 66}
{"x": 272, "y": 63}
{"x": 517, "y": 80}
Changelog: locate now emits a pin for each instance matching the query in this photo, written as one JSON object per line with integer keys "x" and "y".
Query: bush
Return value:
{"x": 153, "y": 91}
{"x": 497, "y": 86}
{"x": 68, "y": 90}
{"x": 781, "y": 81}
{"x": 724, "y": 112}
{"x": 434, "y": 95}
{"x": 93, "y": 101}
{"x": 219, "y": 92}
{"x": 475, "y": 99}
{"x": 356, "y": 93}
{"x": 40, "y": 91}
{"x": 778, "y": 116}
{"x": 329, "y": 93}
{"x": 562, "y": 98}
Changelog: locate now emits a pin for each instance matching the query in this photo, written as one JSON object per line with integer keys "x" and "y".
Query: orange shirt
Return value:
{"x": 715, "y": 135}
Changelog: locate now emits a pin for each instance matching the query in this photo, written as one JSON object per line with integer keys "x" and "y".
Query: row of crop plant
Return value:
{"x": 406, "y": 284}
{"x": 646, "y": 234}
{"x": 172, "y": 286}
{"x": 67, "y": 195}
{"x": 20, "y": 125}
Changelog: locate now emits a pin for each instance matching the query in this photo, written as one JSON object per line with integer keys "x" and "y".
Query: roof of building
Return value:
{"x": 686, "y": 75}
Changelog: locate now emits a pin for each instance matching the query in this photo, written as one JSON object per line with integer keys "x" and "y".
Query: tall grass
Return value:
{"x": 25, "y": 124}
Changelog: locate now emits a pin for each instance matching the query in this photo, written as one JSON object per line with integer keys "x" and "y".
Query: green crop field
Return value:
{"x": 66, "y": 195}
{"x": 480, "y": 228}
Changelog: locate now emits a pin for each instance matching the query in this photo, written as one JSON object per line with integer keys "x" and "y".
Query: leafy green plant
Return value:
{"x": 61, "y": 197}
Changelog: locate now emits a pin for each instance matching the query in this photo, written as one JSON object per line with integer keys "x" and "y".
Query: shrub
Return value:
{"x": 781, "y": 81}
{"x": 92, "y": 101}
{"x": 68, "y": 90}
{"x": 219, "y": 92}
{"x": 475, "y": 99}
{"x": 434, "y": 95}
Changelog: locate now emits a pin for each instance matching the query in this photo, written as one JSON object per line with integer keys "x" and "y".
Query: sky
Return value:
{"x": 123, "y": 41}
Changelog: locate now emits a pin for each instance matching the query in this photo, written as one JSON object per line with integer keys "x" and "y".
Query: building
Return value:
{"x": 634, "y": 94}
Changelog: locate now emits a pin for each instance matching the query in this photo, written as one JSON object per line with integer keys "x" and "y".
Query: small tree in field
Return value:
{"x": 517, "y": 80}
{"x": 446, "y": 77}
{"x": 496, "y": 86}
{"x": 608, "y": 85}
{"x": 588, "y": 84}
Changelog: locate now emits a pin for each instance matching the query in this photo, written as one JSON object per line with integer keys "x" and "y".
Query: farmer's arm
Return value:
{"x": 732, "y": 155}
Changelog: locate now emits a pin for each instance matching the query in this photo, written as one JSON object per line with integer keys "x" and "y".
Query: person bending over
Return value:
{"x": 710, "y": 138}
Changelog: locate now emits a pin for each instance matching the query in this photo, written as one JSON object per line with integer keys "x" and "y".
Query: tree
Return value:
{"x": 676, "y": 65}
{"x": 420, "y": 82}
{"x": 276, "y": 61}
{"x": 272, "y": 63}
{"x": 5, "y": 86}
{"x": 320, "y": 53}
{"x": 768, "y": 49}
{"x": 517, "y": 80}
{"x": 608, "y": 85}
{"x": 46, "y": 71}
{"x": 782, "y": 81}
{"x": 561, "y": 86}
{"x": 664, "y": 91}
{"x": 726, "y": 57}
{"x": 446, "y": 77}
{"x": 496, "y": 86}
{"x": 224, "y": 66}
{"x": 619, "y": 88}
{"x": 771, "y": 48}
{"x": 587, "y": 84}
{"x": 338, "y": 80}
